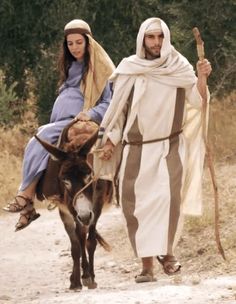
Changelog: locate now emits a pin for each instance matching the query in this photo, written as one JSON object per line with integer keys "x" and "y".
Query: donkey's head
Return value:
{"x": 75, "y": 177}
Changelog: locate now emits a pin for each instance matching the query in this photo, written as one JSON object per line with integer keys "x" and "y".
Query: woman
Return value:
{"x": 84, "y": 94}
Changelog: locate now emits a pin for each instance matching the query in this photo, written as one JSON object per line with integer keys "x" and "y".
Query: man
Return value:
{"x": 155, "y": 113}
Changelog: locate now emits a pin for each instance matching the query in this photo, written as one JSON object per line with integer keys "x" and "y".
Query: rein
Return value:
{"x": 93, "y": 179}
{"x": 86, "y": 185}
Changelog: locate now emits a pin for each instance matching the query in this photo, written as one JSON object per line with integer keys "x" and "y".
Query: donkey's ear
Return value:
{"x": 86, "y": 147}
{"x": 56, "y": 153}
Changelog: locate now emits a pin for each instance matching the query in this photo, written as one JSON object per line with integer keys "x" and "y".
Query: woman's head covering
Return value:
{"x": 152, "y": 25}
{"x": 77, "y": 26}
{"x": 100, "y": 66}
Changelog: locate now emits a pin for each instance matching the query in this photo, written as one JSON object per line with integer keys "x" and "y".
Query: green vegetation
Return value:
{"x": 10, "y": 109}
{"x": 31, "y": 32}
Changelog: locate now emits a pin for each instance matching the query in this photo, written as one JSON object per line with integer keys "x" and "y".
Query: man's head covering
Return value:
{"x": 152, "y": 25}
{"x": 100, "y": 66}
{"x": 171, "y": 68}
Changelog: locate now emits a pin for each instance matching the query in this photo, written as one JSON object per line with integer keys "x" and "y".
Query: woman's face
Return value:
{"x": 76, "y": 44}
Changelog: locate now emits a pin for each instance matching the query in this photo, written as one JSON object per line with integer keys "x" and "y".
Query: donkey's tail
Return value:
{"x": 102, "y": 242}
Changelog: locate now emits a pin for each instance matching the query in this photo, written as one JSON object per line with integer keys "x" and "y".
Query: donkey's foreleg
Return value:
{"x": 91, "y": 248}
{"x": 92, "y": 238}
{"x": 70, "y": 227}
{"x": 81, "y": 232}
{"x": 98, "y": 198}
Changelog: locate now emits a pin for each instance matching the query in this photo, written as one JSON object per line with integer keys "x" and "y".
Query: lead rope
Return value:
{"x": 94, "y": 177}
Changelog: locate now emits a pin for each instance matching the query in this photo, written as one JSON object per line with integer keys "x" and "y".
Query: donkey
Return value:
{"x": 80, "y": 199}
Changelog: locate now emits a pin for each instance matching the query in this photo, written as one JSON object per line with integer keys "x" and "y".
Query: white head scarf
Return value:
{"x": 171, "y": 68}
{"x": 153, "y": 25}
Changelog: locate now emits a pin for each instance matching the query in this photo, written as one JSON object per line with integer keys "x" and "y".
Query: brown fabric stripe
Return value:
{"x": 175, "y": 169}
{"x": 179, "y": 110}
{"x": 131, "y": 172}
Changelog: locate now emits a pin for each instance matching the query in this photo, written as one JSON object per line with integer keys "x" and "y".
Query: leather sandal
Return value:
{"x": 145, "y": 277}
{"x": 27, "y": 215}
{"x": 170, "y": 264}
{"x": 15, "y": 206}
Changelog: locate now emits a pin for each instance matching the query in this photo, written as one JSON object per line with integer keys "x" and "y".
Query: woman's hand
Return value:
{"x": 107, "y": 150}
{"x": 82, "y": 116}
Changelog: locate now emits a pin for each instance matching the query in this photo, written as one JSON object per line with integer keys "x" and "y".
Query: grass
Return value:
{"x": 13, "y": 142}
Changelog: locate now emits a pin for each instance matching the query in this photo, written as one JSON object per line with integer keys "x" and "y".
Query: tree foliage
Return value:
{"x": 31, "y": 31}
{"x": 216, "y": 22}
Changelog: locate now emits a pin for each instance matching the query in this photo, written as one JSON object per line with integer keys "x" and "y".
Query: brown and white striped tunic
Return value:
{"x": 161, "y": 179}
{"x": 152, "y": 174}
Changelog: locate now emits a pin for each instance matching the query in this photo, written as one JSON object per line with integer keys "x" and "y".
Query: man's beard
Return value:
{"x": 151, "y": 54}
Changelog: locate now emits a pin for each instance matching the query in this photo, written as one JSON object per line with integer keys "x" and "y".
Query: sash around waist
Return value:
{"x": 138, "y": 143}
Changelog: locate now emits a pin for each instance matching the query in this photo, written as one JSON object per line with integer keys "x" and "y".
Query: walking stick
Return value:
{"x": 201, "y": 55}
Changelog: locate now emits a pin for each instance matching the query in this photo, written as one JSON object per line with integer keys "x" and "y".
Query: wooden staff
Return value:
{"x": 201, "y": 56}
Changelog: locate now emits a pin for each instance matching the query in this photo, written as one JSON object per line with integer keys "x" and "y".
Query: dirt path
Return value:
{"x": 35, "y": 265}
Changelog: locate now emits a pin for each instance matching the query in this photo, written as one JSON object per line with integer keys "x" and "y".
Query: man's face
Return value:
{"x": 152, "y": 45}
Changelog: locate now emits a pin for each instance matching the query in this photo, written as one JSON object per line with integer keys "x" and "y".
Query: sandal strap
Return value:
{"x": 26, "y": 199}
{"x": 15, "y": 205}
{"x": 169, "y": 262}
{"x": 28, "y": 209}
{"x": 29, "y": 214}
{"x": 166, "y": 258}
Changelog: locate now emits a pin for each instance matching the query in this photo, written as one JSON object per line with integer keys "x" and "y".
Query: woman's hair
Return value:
{"x": 65, "y": 60}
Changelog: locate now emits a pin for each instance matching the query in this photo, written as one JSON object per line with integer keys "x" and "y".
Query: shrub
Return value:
{"x": 10, "y": 107}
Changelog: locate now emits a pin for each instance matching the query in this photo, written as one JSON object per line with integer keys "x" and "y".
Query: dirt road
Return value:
{"x": 35, "y": 265}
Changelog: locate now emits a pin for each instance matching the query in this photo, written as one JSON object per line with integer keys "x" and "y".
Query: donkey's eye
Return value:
{"x": 67, "y": 183}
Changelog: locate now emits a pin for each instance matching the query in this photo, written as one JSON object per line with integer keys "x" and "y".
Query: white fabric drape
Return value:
{"x": 171, "y": 69}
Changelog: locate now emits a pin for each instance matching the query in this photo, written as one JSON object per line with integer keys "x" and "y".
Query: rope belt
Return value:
{"x": 138, "y": 143}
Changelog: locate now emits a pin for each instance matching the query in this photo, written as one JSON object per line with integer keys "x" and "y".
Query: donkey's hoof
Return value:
{"x": 93, "y": 285}
{"x": 75, "y": 287}
{"x": 87, "y": 281}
